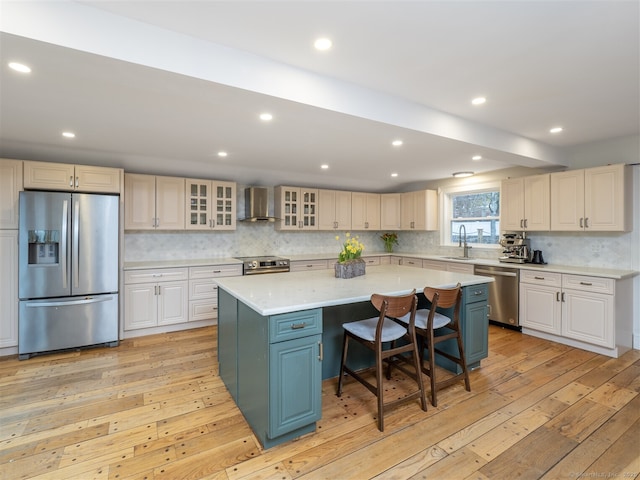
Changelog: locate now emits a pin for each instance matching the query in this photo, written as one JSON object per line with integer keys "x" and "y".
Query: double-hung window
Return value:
{"x": 471, "y": 209}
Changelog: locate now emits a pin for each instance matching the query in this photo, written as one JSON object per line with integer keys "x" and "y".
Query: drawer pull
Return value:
{"x": 298, "y": 326}
{"x": 539, "y": 278}
{"x": 217, "y": 271}
{"x": 478, "y": 292}
{"x": 588, "y": 284}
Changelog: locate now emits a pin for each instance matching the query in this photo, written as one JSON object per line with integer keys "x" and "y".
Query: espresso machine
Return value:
{"x": 516, "y": 248}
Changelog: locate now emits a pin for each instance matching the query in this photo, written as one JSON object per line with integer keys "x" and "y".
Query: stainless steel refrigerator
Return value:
{"x": 68, "y": 271}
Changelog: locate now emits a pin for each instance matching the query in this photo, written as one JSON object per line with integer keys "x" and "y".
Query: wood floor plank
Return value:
{"x": 581, "y": 419}
{"x": 581, "y": 458}
{"x": 531, "y": 456}
{"x": 155, "y": 408}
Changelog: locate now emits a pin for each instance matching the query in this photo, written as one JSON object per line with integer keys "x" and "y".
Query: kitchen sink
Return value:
{"x": 458, "y": 258}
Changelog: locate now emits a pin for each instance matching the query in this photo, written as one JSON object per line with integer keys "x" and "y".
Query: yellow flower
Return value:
{"x": 352, "y": 248}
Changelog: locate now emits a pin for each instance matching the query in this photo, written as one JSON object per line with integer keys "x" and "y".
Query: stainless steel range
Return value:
{"x": 265, "y": 264}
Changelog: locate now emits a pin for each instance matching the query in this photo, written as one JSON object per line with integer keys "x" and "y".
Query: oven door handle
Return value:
{"x": 271, "y": 270}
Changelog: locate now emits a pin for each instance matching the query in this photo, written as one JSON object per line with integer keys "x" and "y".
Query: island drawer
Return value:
{"x": 476, "y": 293}
{"x": 287, "y": 326}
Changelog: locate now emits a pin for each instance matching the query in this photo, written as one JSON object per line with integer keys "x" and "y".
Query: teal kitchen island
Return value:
{"x": 280, "y": 335}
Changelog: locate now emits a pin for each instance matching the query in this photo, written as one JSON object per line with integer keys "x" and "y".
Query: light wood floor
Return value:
{"x": 154, "y": 408}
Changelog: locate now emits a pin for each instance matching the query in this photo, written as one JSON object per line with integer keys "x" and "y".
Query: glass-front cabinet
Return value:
{"x": 211, "y": 205}
{"x": 296, "y": 208}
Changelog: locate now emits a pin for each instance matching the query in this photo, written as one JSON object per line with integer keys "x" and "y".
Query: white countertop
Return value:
{"x": 295, "y": 291}
{"x": 613, "y": 273}
{"x": 186, "y": 262}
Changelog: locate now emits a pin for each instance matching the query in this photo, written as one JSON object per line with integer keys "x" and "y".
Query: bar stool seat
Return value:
{"x": 376, "y": 331}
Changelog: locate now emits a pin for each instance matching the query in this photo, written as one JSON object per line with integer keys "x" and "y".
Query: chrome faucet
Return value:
{"x": 460, "y": 239}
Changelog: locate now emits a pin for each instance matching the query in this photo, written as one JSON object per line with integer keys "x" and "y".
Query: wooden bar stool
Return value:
{"x": 427, "y": 321}
{"x": 376, "y": 331}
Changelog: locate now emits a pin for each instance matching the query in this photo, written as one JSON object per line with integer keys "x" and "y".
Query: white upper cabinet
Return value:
{"x": 154, "y": 203}
{"x": 593, "y": 199}
{"x": 10, "y": 186}
{"x": 210, "y": 205}
{"x": 524, "y": 203}
{"x": 296, "y": 208}
{"x": 419, "y": 210}
{"x": 390, "y": 211}
{"x": 66, "y": 177}
{"x": 334, "y": 210}
{"x": 365, "y": 211}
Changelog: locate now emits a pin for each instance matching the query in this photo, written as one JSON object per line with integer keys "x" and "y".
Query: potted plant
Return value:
{"x": 390, "y": 239}
{"x": 349, "y": 263}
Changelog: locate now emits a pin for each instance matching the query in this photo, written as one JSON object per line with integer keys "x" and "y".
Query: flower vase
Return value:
{"x": 350, "y": 268}
{"x": 388, "y": 247}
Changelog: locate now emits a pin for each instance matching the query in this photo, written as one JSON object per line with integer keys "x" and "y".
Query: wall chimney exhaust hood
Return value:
{"x": 256, "y": 205}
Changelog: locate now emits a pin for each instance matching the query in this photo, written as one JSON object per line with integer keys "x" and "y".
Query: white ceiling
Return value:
{"x": 161, "y": 86}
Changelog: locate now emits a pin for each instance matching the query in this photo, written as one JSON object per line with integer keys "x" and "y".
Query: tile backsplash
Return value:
{"x": 607, "y": 250}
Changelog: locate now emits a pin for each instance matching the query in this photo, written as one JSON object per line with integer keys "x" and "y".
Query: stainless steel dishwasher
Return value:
{"x": 503, "y": 294}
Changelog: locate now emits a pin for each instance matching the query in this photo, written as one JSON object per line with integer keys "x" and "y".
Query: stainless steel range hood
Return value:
{"x": 256, "y": 205}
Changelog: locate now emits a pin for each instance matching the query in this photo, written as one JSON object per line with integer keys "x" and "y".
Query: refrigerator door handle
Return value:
{"x": 76, "y": 240}
{"x": 82, "y": 301}
{"x": 63, "y": 242}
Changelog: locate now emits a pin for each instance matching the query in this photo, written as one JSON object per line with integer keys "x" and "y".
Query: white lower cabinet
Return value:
{"x": 540, "y": 307}
{"x": 203, "y": 290}
{"x": 582, "y": 311}
{"x": 587, "y": 315}
{"x": 168, "y": 299}
{"x": 155, "y": 297}
{"x": 8, "y": 288}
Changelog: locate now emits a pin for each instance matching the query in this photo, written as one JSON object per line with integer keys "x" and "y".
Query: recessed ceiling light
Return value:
{"x": 323, "y": 44}
{"x": 19, "y": 67}
{"x": 476, "y": 157}
{"x": 222, "y": 154}
{"x": 68, "y": 134}
{"x": 462, "y": 174}
{"x": 394, "y": 174}
{"x": 556, "y": 130}
{"x": 478, "y": 100}
{"x": 324, "y": 166}
{"x": 266, "y": 117}
{"x": 396, "y": 143}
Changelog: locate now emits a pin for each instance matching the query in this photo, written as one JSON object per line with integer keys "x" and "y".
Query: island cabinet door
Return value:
{"x": 475, "y": 329}
{"x": 475, "y": 324}
{"x": 295, "y": 390}
{"x": 476, "y": 333}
